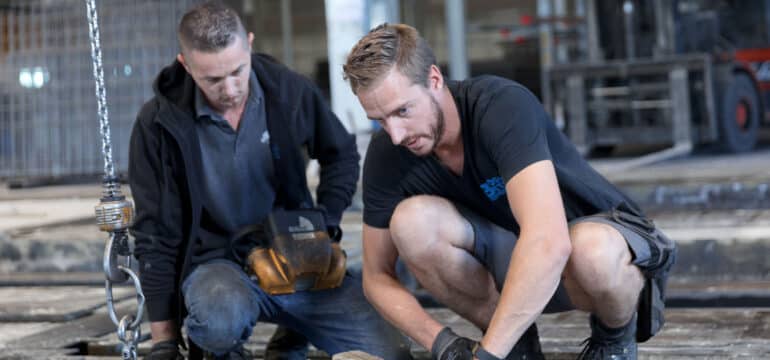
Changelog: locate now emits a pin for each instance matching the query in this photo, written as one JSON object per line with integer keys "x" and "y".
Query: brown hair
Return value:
{"x": 209, "y": 27}
{"x": 382, "y": 48}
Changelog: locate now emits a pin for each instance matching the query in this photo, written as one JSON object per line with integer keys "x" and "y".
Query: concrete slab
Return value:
{"x": 67, "y": 248}
{"x": 13, "y": 331}
{"x": 355, "y": 355}
{"x": 723, "y": 333}
{"x": 53, "y": 304}
{"x": 36, "y": 354}
{"x": 726, "y": 234}
{"x": 728, "y": 225}
{"x": 68, "y": 191}
{"x": 712, "y": 243}
{"x": 70, "y": 335}
{"x": 688, "y": 334}
{"x": 16, "y": 215}
{"x": 19, "y": 207}
{"x": 52, "y": 279}
{"x": 110, "y": 345}
{"x": 751, "y": 167}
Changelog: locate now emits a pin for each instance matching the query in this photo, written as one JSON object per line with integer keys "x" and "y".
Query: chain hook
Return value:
{"x": 114, "y": 258}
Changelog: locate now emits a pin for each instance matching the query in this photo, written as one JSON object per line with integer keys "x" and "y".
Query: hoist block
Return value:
{"x": 114, "y": 215}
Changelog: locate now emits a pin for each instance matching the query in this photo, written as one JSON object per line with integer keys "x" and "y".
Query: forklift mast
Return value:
{"x": 678, "y": 72}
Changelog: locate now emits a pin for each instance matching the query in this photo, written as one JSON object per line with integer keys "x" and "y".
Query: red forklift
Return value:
{"x": 680, "y": 72}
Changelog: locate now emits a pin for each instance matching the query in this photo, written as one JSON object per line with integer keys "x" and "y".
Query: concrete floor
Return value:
{"x": 48, "y": 240}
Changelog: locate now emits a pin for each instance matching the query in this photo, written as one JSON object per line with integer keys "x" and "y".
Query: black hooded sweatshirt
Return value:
{"x": 165, "y": 170}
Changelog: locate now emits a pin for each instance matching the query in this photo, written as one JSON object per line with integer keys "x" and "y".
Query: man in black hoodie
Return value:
{"x": 218, "y": 148}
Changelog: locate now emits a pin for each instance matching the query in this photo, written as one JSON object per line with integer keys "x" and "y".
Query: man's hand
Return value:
{"x": 450, "y": 346}
{"x": 165, "y": 350}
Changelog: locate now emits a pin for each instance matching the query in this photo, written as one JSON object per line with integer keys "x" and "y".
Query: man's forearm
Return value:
{"x": 163, "y": 330}
{"x": 532, "y": 279}
{"x": 401, "y": 308}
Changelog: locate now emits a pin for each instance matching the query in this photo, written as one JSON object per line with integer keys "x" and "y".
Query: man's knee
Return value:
{"x": 218, "y": 338}
{"x": 598, "y": 253}
{"x": 209, "y": 281}
{"x": 421, "y": 223}
{"x": 410, "y": 215}
{"x": 219, "y": 324}
{"x": 221, "y": 309}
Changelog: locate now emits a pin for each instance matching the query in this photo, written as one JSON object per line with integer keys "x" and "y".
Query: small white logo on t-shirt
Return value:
{"x": 265, "y": 137}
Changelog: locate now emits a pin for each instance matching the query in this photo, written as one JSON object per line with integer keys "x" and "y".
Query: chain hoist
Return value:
{"x": 114, "y": 212}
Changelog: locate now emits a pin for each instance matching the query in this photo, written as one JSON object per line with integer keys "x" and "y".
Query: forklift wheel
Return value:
{"x": 739, "y": 121}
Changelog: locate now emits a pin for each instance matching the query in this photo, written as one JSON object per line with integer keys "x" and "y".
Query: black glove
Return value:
{"x": 450, "y": 346}
{"x": 165, "y": 350}
{"x": 335, "y": 233}
{"x": 483, "y": 354}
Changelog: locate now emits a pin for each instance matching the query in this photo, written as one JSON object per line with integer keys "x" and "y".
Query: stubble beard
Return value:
{"x": 437, "y": 130}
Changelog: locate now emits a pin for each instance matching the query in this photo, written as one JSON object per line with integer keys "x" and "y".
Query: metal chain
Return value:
{"x": 101, "y": 91}
{"x": 128, "y": 336}
{"x": 114, "y": 213}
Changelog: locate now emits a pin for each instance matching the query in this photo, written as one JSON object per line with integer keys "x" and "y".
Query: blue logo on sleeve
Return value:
{"x": 494, "y": 188}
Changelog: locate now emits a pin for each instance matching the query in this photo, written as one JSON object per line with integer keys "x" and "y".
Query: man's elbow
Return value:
{"x": 372, "y": 282}
{"x": 369, "y": 285}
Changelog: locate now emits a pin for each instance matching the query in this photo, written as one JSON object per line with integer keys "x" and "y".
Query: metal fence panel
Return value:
{"x": 48, "y": 122}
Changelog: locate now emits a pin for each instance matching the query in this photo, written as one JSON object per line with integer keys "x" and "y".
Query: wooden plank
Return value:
{"x": 55, "y": 304}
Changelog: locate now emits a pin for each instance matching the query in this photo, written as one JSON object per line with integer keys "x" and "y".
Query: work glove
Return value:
{"x": 335, "y": 233}
{"x": 450, "y": 346}
{"x": 482, "y": 354}
{"x": 165, "y": 350}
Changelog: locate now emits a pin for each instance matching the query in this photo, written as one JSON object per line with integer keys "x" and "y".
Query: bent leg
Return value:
{"x": 222, "y": 306}
{"x": 600, "y": 277}
{"x": 436, "y": 243}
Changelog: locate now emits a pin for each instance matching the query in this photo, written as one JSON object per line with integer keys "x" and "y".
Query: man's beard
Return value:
{"x": 437, "y": 130}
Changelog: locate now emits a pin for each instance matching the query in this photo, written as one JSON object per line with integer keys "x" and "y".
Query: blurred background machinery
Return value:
{"x": 613, "y": 73}
{"x": 682, "y": 72}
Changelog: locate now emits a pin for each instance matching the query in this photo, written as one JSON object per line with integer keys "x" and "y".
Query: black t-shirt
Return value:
{"x": 504, "y": 129}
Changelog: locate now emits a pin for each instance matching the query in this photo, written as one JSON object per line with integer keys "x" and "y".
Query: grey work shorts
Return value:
{"x": 493, "y": 246}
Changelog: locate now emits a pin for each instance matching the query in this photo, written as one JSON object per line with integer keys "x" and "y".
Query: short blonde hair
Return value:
{"x": 386, "y": 46}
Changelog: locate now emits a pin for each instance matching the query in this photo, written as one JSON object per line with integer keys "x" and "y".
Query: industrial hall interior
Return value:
{"x": 384, "y": 179}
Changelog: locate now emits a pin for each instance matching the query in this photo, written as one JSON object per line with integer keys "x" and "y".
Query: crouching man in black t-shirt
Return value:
{"x": 494, "y": 212}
